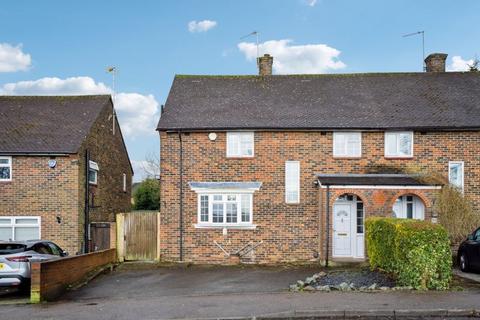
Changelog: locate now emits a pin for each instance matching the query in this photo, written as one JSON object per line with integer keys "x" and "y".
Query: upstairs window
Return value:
{"x": 93, "y": 172}
{"x": 398, "y": 144}
{"x": 456, "y": 174}
{"x": 292, "y": 182}
{"x": 347, "y": 144}
{"x": 240, "y": 144}
{"x": 5, "y": 168}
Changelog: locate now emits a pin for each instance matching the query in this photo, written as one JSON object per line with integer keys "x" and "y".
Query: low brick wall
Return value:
{"x": 50, "y": 279}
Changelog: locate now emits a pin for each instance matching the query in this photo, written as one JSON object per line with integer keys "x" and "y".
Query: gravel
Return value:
{"x": 360, "y": 278}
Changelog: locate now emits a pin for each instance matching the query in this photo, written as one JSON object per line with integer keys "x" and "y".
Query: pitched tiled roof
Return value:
{"x": 47, "y": 124}
{"x": 423, "y": 101}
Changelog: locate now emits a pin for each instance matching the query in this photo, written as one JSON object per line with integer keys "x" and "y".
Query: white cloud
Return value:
{"x": 311, "y": 3}
{"x": 137, "y": 113}
{"x": 288, "y": 59}
{"x": 56, "y": 86}
{"x": 459, "y": 64}
{"x": 201, "y": 26}
{"x": 13, "y": 58}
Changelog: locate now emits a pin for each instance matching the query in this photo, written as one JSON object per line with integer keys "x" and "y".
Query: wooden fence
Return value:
{"x": 137, "y": 236}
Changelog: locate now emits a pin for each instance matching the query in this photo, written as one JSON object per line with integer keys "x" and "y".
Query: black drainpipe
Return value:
{"x": 328, "y": 225}
{"x": 87, "y": 203}
{"x": 180, "y": 220}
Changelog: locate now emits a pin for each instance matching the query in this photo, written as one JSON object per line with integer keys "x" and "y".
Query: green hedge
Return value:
{"x": 417, "y": 252}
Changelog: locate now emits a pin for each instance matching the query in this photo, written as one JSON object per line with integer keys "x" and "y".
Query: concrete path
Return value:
{"x": 214, "y": 292}
{"x": 467, "y": 275}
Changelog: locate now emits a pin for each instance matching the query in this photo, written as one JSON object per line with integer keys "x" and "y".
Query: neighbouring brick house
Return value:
{"x": 44, "y": 145}
{"x": 267, "y": 162}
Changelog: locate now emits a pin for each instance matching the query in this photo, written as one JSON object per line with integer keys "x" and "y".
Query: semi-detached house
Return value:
{"x": 281, "y": 168}
{"x": 64, "y": 170}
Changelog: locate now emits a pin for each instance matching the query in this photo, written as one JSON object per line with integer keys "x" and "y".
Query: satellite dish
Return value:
{"x": 212, "y": 136}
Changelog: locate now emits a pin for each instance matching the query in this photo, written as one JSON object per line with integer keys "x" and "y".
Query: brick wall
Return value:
{"x": 290, "y": 232}
{"x": 38, "y": 190}
{"x": 50, "y": 279}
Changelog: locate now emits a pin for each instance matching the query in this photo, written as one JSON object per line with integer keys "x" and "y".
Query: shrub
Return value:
{"x": 147, "y": 196}
{"x": 417, "y": 252}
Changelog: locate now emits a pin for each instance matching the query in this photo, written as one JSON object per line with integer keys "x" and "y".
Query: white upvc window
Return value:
{"x": 225, "y": 209}
{"x": 20, "y": 228}
{"x": 93, "y": 172}
{"x": 240, "y": 144}
{"x": 124, "y": 176}
{"x": 347, "y": 144}
{"x": 399, "y": 144}
{"x": 5, "y": 168}
{"x": 456, "y": 174}
{"x": 292, "y": 182}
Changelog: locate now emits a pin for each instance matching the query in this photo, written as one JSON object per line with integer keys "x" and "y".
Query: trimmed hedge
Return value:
{"x": 417, "y": 252}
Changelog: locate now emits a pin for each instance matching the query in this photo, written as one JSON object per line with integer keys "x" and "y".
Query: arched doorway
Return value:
{"x": 409, "y": 206}
{"x": 348, "y": 227}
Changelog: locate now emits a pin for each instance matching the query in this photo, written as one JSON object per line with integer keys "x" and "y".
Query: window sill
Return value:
{"x": 241, "y": 158}
{"x": 347, "y": 157}
{"x": 399, "y": 158}
{"x": 233, "y": 227}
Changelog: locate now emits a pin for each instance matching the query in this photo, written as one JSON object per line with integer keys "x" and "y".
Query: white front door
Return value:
{"x": 342, "y": 230}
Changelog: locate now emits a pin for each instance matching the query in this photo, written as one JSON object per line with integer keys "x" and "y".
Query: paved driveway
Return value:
{"x": 149, "y": 292}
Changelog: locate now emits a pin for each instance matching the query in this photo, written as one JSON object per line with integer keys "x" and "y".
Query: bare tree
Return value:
{"x": 151, "y": 165}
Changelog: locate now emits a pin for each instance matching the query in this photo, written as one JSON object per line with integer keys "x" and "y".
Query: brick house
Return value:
{"x": 259, "y": 166}
{"x": 46, "y": 143}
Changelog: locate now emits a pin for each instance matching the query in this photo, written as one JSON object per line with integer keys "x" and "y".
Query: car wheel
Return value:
{"x": 463, "y": 261}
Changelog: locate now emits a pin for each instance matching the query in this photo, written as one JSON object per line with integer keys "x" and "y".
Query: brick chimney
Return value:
{"x": 265, "y": 65}
{"x": 435, "y": 62}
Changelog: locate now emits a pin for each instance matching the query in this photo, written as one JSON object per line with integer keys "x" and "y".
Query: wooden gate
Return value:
{"x": 140, "y": 236}
{"x": 100, "y": 236}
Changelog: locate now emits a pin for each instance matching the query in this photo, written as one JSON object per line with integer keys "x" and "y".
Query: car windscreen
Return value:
{"x": 9, "y": 248}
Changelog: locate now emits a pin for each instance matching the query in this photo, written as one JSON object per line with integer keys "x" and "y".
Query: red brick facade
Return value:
{"x": 291, "y": 232}
{"x": 57, "y": 194}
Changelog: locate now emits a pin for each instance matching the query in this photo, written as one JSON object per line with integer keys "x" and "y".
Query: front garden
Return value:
{"x": 403, "y": 255}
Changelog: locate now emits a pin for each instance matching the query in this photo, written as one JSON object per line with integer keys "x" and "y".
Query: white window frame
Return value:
{"x": 224, "y": 194}
{"x": 450, "y": 165}
{"x": 296, "y": 186}
{"x": 9, "y": 165}
{"x": 344, "y": 152}
{"x": 93, "y": 167}
{"x": 14, "y": 225}
{"x": 397, "y": 154}
{"x": 124, "y": 177}
{"x": 241, "y": 154}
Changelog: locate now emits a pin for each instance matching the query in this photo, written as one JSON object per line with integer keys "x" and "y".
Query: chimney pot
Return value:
{"x": 435, "y": 62}
{"x": 265, "y": 65}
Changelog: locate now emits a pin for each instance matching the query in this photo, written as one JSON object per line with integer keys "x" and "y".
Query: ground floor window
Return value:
{"x": 225, "y": 209}
{"x": 409, "y": 207}
{"x": 19, "y": 228}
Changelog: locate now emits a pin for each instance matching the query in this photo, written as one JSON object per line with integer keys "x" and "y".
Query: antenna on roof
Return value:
{"x": 113, "y": 71}
{"x": 423, "y": 44}
{"x": 253, "y": 33}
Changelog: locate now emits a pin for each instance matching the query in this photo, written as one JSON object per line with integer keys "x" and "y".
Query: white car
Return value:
{"x": 15, "y": 258}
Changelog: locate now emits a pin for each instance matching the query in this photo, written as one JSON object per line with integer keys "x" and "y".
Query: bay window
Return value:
{"x": 226, "y": 209}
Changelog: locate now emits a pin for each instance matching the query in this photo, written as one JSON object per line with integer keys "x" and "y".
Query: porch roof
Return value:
{"x": 370, "y": 180}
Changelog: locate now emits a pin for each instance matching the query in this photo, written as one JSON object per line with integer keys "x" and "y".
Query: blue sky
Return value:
{"x": 63, "y": 47}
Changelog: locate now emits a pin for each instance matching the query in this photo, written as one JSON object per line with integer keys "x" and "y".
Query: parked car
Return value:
{"x": 469, "y": 252}
{"x": 15, "y": 258}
